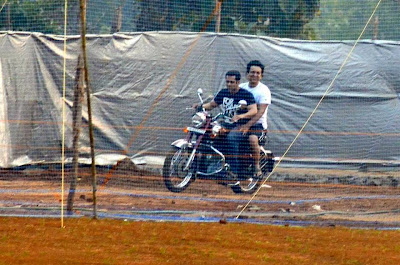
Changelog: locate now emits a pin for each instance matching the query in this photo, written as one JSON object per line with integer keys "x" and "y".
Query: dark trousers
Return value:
{"x": 237, "y": 148}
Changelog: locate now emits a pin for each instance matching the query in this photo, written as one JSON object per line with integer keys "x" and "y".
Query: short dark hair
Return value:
{"x": 233, "y": 73}
{"x": 255, "y": 63}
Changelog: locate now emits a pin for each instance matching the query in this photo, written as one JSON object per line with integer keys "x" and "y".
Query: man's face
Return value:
{"x": 232, "y": 84}
{"x": 254, "y": 76}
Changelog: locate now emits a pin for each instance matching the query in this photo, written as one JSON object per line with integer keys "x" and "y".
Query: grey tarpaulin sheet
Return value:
{"x": 142, "y": 82}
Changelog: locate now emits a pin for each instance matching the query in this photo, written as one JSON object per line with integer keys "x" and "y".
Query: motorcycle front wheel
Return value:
{"x": 177, "y": 179}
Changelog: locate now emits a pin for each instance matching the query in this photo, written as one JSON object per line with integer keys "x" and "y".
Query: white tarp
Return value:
{"x": 142, "y": 83}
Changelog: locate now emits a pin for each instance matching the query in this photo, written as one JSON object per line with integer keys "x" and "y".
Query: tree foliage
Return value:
{"x": 32, "y": 16}
{"x": 280, "y": 18}
{"x": 301, "y": 19}
{"x": 345, "y": 20}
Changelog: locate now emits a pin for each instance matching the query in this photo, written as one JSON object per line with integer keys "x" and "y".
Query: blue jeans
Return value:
{"x": 235, "y": 141}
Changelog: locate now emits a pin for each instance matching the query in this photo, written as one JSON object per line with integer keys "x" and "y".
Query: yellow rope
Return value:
{"x": 315, "y": 109}
{"x": 3, "y": 5}
{"x": 63, "y": 114}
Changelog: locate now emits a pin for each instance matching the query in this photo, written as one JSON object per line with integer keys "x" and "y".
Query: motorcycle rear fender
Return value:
{"x": 265, "y": 151}
{"x": 268, "y": 153}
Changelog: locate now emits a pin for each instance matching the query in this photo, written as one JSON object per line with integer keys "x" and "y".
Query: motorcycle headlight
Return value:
{"x": 198, "y": 119}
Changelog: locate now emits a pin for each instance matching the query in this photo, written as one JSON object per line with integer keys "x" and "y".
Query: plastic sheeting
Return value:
{"x": 142, "y": 82}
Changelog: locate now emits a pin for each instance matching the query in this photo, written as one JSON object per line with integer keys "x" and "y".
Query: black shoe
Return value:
{"x": 231, "y": 175}
{"x": 258, "y": 174}
{"x": 230, "y": 179}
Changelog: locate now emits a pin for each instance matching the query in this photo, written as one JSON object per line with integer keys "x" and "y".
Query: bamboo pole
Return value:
{"x": 218, "y": 4}
{"x": 9, "y": 26}
{"x": 89, "y": 105}
{"x": 76, "y": 130}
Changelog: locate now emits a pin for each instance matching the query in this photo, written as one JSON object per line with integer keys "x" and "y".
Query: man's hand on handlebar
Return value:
{"x": 197, "y": 107}
{"x": 235, "y": 118}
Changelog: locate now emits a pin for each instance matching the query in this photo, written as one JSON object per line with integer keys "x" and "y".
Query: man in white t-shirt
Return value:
{"x": 257, "y": 126}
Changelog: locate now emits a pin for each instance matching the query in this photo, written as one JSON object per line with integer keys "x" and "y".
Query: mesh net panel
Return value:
{"x": 142, "y": 58}
{"x": 317, "y": 20}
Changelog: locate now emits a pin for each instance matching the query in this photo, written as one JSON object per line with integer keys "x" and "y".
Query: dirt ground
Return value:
{"x": 110, "y": 241}
{"x": 141, "y": 222}
{"x": 138, "y": 195}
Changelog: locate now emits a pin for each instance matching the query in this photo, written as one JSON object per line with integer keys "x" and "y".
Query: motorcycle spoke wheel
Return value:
{"x": 176, "y": 178}
{"x": 248, "y": 186}
{"x": 266, "y": 163}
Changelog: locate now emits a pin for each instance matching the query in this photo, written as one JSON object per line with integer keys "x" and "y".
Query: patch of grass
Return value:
{"x": 113, "y": 242}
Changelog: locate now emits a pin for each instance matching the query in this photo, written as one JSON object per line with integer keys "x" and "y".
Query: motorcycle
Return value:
{"x": 201, "y": 155}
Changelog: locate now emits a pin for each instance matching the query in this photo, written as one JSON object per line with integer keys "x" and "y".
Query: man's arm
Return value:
{"x": 207, "y": 106}
{"x": 262, "y": 107}
{"x": 210, "y": 105}
{"x": 251, "y": 111}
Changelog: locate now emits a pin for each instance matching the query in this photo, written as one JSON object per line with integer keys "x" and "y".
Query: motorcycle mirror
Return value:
{"x": 199, "y": 93}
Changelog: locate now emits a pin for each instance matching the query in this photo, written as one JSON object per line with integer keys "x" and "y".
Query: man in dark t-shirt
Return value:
{"x": 227, "y": 98}
{"x": 229, "y": 102}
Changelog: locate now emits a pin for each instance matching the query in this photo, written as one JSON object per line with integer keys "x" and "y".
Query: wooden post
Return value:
{"x": 376, "y": 28}
{"x": 218, "y": 4}
{"x": 76, "y": 130}
{"x": 9, "y": 26}
{"x": 89, "y": 104}
{"x": 117, "y": 20}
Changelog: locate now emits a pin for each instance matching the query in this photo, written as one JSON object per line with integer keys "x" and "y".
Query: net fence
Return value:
{"x": 146, "y": 60}
{"x": 310, "y": 20}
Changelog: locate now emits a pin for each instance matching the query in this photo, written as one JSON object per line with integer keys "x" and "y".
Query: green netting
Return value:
{"x": 299, "y": 19}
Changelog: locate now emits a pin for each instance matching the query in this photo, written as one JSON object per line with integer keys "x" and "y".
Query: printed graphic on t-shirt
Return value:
{"x": 228, "y": 106}
{"x": 229, "y": 102}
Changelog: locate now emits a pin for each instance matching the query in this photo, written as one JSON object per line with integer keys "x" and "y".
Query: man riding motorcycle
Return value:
{"x": 256, "y": 128}
{"x": 228, "y": 98}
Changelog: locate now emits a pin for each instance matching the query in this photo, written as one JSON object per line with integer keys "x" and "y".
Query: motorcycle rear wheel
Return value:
{"x": 177, "y": 179}
{"x": 250, "y": 185}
